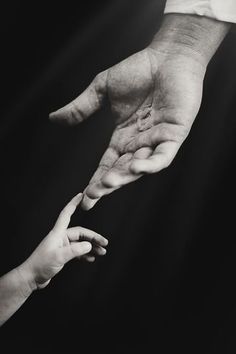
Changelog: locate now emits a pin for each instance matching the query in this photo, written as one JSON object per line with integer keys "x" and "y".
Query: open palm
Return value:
{"x": 154, "y": 98}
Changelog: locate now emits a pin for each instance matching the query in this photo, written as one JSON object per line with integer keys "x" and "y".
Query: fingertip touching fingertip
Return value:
{"x": 87, "y": 203}
{"x": 77, "y": 199}
{"x": 79, "y": 196}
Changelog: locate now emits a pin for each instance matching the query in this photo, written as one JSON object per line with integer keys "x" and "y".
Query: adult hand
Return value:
{"x": 154, "y": 96}
{"x": 60, "y": 246}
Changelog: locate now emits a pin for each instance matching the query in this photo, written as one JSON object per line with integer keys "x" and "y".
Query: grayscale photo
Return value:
{"x": 118, "y": 170}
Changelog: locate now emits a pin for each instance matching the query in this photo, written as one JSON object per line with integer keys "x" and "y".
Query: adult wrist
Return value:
{"x": 196, "y": 37}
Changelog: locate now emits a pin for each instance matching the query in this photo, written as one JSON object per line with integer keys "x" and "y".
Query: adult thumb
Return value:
{"x": 85, "y": 104}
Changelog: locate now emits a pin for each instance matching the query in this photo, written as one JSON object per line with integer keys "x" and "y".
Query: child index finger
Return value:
{"x": 66, "y": 213}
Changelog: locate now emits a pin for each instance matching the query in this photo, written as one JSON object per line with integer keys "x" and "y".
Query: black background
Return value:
{"x": 167, "y": 281}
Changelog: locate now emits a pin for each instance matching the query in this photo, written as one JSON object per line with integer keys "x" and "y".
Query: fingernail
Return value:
{"x": 87, "y": 246}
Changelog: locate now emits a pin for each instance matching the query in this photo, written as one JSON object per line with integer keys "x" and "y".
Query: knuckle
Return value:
{"x": 99, "y": 81}
{"x": 98, "y": 77}
{"x": 76, "y": 115}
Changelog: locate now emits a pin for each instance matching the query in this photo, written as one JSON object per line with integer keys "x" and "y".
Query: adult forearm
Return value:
{"x": 15, "y": 288}
{"x": 192, "y": 35}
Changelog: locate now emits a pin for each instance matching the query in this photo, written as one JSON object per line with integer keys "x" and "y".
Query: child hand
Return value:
{"x": 61, "y": 245}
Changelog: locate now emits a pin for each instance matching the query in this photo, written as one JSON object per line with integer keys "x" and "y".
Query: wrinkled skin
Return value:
{"x": 154, "y": 98}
